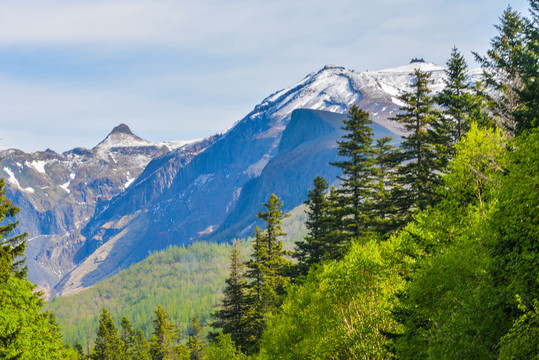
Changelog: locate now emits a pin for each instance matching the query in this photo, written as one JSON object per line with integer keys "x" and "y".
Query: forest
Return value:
{"x": 429, "y": 250}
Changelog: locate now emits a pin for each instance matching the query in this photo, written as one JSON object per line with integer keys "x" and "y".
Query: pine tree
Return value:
{"x": 142, "y": 351}
{"x": 419, "y": 174}
{"x": 267, "y": 271}
{"x": 356, "y": 148}
{"x": 527, "y": 115}
{"x": 502, "y": 70}
{"x": 311, "y": 250}
{"x": 456, "y": 99}
{"x": 129, "y": 338}
{"x": 26, "y": 333}
{"x": 234, "y": 306}
{"x": 11, "y": 247}
{"x": 164, "y": 337}
{"x": 195, "y": 344}
{"x": 384, "y": 216}
{"x": 108, "y": 345}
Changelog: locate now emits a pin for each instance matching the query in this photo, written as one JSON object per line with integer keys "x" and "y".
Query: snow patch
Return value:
{"x": 65, "y": 186}
{"x": 30, "y": 190}
{"x": 12, "y": 179}
{"x": 39, "y": 165}
{"x": 202, "y": 179}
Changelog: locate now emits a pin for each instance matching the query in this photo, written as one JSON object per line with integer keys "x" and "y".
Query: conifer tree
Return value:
{"x": 11, "y": 246}
{"x": 356, "y": 149}
{"x": 502, "y": 70}
{"x": 267, "y": 271}
{"x": 420, "y": 173}
{"x": 129, "y": 338}
{"x": 26, "y": 333}
{"x": 234, "y": 306}
{"x": 527, "y": 115}
{"x": 195, "y": 343}
{"x": 142, "y": 351}
{"x": 336, "y": 242}
{"x": 108, "y": 345}
{"x": 164, "y": 337}
{"x": 456, "y": 99}
{"x": 311, "y": 250}
{"x": 384, "y": 218}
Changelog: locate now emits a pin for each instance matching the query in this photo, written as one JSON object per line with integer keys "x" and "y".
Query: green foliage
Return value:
{"x": 224, "y": 349}
{"x": 341, "y": 311}
{"x": 449, "y": 307}
{"x": 314, "y": 247}
{"x": 358, "y": 161}
{"x": 419, "y": 175}
{"x": 522, "y": 341}
{"x": 108, "y": 345}
{"x": 232, "y": 315}
{"x": 190, "y": 281}
{"x": 26, "y": 333}
{"x": 515, "y": 223}
{"x": 165, "y": 336}
{"x": 267, "y": 272}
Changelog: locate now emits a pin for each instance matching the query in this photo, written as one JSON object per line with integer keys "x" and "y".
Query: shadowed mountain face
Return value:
{"x": 147, "y": 197}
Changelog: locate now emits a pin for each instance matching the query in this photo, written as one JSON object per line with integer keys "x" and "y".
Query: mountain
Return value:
{"x": 59, "y": 193}
{"x": 212, "y": 189}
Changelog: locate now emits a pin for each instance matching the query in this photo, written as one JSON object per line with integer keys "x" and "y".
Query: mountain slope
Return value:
{"x": 209, "y": 189}
{"x": 59, "y": 193}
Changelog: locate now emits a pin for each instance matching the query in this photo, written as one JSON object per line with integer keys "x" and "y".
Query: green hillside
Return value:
{"x": 186, "y": 281}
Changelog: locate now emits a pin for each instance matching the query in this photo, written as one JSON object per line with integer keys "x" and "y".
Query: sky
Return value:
{"x": 71, "y": 70}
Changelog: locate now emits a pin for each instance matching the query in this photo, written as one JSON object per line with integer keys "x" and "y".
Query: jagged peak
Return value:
{"x": 122, "y": 129}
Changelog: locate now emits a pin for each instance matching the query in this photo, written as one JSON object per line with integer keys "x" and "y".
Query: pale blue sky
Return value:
{"x": 70, "y": 70}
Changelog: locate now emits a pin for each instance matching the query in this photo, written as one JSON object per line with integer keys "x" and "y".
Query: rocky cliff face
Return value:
{"x": 122, "y": 202}
{"x": 59, "y": 193}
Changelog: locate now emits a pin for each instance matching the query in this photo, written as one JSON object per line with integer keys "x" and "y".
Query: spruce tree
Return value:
{"x": 26, "y": 333}
{"x": 108, "y": 345}
{"x": 129, "y": 338}
{"x": 384, "y": 217}
{"x": 356, "y": 150}
{"x": 233, "y": 311}
{"x": 311, "y": 250}
{"x": 267, "y": 271}
{"x": 164, "y": 337}
{"x": 195, "y": 343}
{"x": 527, "y": 115}
{"x": 456, "y": 99}
{"x": 419, "y": 174}
{"x": 142, "y": 351}
{"x": 503, "y": 68}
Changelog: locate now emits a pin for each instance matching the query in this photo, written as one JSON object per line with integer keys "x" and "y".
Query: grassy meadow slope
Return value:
{"x": 186, "y": 281}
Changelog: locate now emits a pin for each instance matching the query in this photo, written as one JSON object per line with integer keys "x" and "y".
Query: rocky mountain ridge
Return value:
{"x": 211, "y": 189}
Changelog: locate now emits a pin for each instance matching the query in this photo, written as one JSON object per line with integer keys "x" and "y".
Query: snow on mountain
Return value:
{"x": 125, "y": 185}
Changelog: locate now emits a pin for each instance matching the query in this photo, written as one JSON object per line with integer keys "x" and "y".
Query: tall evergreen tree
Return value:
{"x": 195, "y": 343}
{"x": 502, "y": 70}
{"x": 108, "y": 345}
{"x": 419, "y": 174}
{"x": 356, "y": 150}
{"x": 129, "y": 338}
{"x": 311, "y": 250}
{"x": 384, "y": 218}
{"x": 164, "y": 337}
{"x": 267, "y": 271}
{"x": 26, "y": 333}
{"x": 142, "y": 351}
{"x": 456, "y": 99}
{"x": 11, "y": 246}
{"x": 234, "y": 306}
{"x": 527, "y": 115}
